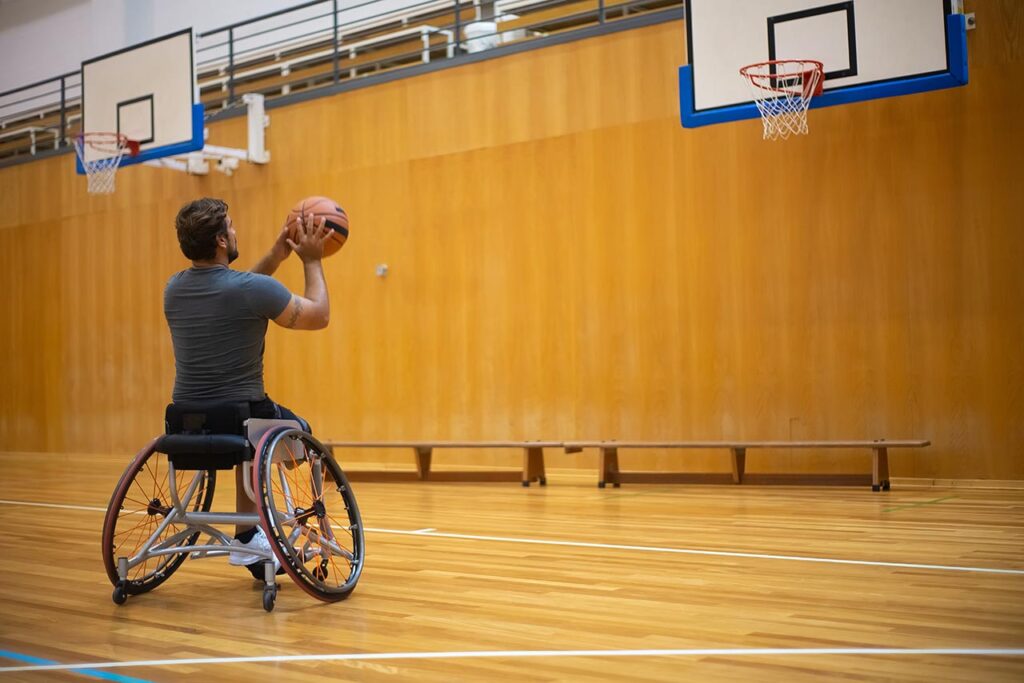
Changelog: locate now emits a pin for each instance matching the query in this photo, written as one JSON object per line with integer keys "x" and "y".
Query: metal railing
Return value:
{"x": 315, "y": 45}
{"x": 41, "y": 110}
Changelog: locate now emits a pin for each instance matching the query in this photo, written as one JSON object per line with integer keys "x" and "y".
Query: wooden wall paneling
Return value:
{"x": 567, "y": 262}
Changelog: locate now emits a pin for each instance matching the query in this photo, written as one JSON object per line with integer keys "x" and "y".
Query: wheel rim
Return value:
{"x": 140, "y": 502}
{"x": 314, "y": 521}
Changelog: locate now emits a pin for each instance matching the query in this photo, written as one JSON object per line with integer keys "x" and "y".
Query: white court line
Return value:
{"x": 507, "y": 654}
{"x": 714, "y": 553}
{"x": 52, "y": 505}
{"x": 642, "y": 548}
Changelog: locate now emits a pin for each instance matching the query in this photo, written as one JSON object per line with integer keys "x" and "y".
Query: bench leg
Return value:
{"x": 880, "y": 469}
{"x": 739, "y": 463}
{"x": 423, "y": 456}
{"x": 609, "y": 468}
{"x": 533, "y": 466}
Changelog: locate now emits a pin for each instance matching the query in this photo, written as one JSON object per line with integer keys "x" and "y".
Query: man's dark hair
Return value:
{"x": 198, "y": 224}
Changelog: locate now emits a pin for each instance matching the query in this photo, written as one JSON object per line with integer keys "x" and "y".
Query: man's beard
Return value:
{"x": 232, "y": 254}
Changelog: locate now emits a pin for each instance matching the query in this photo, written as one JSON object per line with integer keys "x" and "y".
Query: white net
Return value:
{"x": 782, "y": 91}
{"x": 102, "y": 163}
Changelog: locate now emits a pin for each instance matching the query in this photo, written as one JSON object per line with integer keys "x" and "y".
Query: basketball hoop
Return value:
{"x": 100, "y": 172}
{"x": 782, "y": 90}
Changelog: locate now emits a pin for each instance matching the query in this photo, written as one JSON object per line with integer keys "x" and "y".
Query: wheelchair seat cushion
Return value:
{"x": 201, "y": 444}
{"x": 205, "y": 451}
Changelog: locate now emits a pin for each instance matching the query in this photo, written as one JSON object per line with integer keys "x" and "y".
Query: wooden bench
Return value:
{"x": 611, "y": 474}
{"x": 533, "y": 461}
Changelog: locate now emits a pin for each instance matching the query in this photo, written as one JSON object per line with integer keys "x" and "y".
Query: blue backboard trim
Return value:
{"x": 195, "y": 144}
{"x": 956, "y": 39}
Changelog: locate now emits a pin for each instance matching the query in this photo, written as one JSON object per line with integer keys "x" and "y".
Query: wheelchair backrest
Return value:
{"x": 206, "y": 418}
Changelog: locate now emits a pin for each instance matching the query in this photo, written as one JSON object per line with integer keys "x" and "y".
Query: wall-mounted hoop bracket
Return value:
{"x": 226, "y": 159}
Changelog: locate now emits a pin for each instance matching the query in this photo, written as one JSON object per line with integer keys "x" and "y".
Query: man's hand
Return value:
{"x": 279, "y": 251}
{"x": 310, "y": 238}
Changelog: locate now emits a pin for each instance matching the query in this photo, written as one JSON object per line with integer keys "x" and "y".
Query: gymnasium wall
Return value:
{"x": 567, "y": 262}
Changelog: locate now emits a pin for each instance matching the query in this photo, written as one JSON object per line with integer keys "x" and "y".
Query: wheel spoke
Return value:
{"x": 144, "y": 520}
{"x": 138, "y": 485}
{"x": 143, "y": 503}
{"x": 338, "y": 572}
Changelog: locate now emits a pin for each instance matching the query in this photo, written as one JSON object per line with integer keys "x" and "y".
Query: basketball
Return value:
{"x": 337, "y": 221}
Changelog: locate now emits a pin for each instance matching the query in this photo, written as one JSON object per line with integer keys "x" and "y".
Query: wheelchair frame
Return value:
{"x": 266, "y": 481}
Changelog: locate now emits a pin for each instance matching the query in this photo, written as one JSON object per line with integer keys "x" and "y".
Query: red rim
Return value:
{"x": 804, "y": 73}
{"x": 111, "y": 515}
{"x": 109, "y": 143}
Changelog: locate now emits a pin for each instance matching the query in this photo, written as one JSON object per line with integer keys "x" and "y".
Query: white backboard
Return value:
{"x": 147, "y": 92}
{"x": 870, "y": 48}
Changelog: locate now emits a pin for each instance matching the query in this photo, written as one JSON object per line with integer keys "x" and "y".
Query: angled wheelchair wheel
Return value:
{"x": 140, "y": 503}
{"x": 309, "y": 512}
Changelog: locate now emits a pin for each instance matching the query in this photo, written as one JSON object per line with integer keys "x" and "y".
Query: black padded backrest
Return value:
{"x": 206, "y": 418}
{"x": 200, "y": 435}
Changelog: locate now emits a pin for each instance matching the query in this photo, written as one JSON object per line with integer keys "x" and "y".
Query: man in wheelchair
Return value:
{"x": 218, "y": 320}
{"x": 295, "y": 512}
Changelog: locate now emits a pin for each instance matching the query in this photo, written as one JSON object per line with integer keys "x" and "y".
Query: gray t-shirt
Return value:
{"x": 218, "y": 319}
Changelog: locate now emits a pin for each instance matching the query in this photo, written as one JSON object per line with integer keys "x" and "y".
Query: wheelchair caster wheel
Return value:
{"x": 320, "y": 571}
{"x": 120, "y": 595}
{"x": 268, "y": 600}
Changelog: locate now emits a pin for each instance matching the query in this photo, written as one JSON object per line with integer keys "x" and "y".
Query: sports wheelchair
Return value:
{"x": 305, "y": 506}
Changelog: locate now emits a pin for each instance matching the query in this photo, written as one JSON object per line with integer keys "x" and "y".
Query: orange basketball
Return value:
{"x": 337, "y": 220}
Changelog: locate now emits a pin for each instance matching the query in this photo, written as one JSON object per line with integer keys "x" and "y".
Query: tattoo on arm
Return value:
{"x": 295, "y": 313}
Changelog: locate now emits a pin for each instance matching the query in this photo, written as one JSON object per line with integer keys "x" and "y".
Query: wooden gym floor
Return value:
{"x": 493, "y": 581}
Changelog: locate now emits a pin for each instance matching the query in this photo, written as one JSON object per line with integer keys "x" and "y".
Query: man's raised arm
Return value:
{"x": 312, "y": 311}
